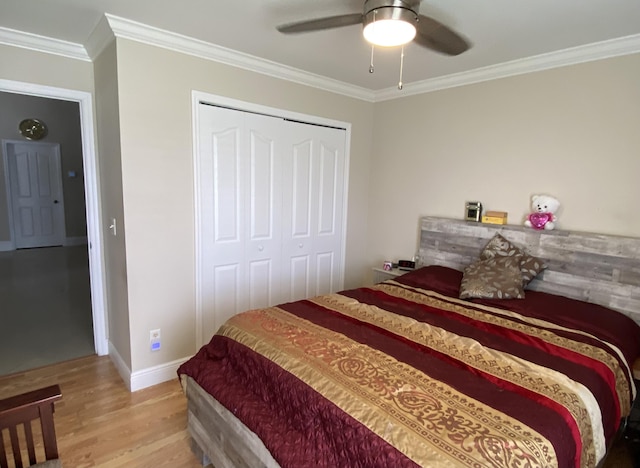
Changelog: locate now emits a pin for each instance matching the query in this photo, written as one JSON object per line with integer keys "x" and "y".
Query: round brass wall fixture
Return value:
{"x": 32, "y": 129}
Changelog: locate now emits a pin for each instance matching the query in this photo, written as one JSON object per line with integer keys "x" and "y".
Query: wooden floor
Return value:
{"x": 100, "y": 423}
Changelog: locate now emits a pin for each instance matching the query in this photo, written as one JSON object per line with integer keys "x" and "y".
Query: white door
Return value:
{"x": 35, "y": 192}
{"x": 270, "y": 215}
{"x": 241, "y": 204}
{"x": 313, "y": 210}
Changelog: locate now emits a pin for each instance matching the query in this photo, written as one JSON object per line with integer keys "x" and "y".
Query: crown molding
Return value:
{"x": 48, "y": 45}
{"x": 111, "y": 26}
{"x": 127, "y": 29}
{"x": 99, "y": 39}
{"x": 572, "y": 56}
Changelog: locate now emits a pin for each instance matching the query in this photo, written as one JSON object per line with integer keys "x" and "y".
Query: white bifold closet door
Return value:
{"x": 271, "y": 211}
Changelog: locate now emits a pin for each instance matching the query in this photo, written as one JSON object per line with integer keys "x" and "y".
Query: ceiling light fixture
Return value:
{"x": 389, "y": 26}
{"x": 390, "y": 23}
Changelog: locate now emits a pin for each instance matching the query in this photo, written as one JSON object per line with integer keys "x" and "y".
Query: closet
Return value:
{"x": 271, "y": 211}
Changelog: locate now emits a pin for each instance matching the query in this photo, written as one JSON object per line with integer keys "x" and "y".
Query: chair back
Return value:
{"x": 16, "y": 416}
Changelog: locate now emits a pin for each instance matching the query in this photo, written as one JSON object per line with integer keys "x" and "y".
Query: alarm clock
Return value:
{"x": 406, "y": 265}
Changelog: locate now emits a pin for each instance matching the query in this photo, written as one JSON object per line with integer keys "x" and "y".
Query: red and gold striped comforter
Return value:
{"x": 405, "y": 374}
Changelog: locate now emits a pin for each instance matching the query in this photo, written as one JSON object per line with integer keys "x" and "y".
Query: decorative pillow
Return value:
{"x": 441, "y": 279}
{"x": 530, "y": 266}
{"x": 498, "y": 277}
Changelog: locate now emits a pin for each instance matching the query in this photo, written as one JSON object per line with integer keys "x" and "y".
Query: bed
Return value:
{"x": 407, "y": 373}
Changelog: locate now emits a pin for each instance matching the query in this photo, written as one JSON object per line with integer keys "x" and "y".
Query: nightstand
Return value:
{"x": 380, "y": 274}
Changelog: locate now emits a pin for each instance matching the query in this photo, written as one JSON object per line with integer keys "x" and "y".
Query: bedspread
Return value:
{"x": 402, "y": 375}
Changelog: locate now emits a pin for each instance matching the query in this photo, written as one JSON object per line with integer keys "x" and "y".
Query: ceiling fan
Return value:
{"x": 400, "y": 16}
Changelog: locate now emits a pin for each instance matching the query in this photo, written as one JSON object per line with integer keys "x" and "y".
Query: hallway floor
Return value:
{"x": 45, "y": 307}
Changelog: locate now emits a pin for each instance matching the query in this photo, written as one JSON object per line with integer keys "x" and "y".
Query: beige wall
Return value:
{"x": 110, "y": 170}
{"x": 45, "y": 69}
{"x": 63, "y": 123}
{"x": 154, "y": 87}
{"x": 571, "y": 132}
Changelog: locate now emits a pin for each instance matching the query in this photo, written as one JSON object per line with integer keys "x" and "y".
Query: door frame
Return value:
{"x": 97, "y": 274}
{"x": 10, "y": 190}
{"x": 196, "y": 98}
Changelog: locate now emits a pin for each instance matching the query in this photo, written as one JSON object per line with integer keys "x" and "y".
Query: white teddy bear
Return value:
{"x": 543, "y": 209}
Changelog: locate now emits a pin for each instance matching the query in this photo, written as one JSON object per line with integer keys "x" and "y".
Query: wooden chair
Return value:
{"x": 21, "y": 410}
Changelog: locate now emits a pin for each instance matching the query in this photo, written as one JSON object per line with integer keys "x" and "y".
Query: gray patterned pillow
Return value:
{"x": 498, "y": 277}
{"x": 530, "y": 266}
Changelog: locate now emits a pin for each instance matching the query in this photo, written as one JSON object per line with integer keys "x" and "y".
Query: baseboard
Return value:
{"x": 6, "y": 246}
{"x": 146, "y": 377}
{"x": 155, "y": 375}
{"x": 121, "y": 367}
{"x": 71, "y": 241}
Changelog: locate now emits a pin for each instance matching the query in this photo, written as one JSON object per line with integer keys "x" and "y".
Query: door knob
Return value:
{"x": 300, "y": 245}
{"x": 261, "y": 248}
{"x": 55, "y": 202}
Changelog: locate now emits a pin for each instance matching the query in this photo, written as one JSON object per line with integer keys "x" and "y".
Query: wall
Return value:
{"x": 28, "y": 66}
{"x": 110, "y": 170}
{"x": 154, "y": 87}
{"x": 63, "y": 123}
{"x": 571, "y": 132}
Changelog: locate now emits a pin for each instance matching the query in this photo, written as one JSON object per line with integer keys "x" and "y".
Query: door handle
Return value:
{"x": 55, "y": 202}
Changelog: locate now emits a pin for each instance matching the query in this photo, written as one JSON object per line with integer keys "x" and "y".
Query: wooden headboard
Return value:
{"x": 598, "y": 268}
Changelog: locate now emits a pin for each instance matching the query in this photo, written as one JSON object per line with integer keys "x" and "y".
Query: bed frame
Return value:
{"x": 218, "y": 437}
{"x": 597, "y": 268}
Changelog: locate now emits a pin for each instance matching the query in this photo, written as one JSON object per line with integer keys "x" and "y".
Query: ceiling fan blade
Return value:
{"x": 321, "y": 23}
{"x": 436, "y": 36}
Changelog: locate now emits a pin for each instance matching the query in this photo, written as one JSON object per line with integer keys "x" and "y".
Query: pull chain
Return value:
{"x": 401, "y": 66}
{"x": 371, "y": 69}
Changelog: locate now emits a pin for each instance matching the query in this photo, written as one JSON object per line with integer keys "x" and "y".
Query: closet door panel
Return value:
{"x": 325, "y": 272}
{"x": 297, "y": 220}
{"x": 261, "y": 279}
{"x": 329, "y": 211}
{"x": 300, "y": 189}
{"x": 222, "y": 195}
{"x": 227, "y": 196}
{"x": 227, "y": 292}
{"x": 327, "y": 205}
{"x": 299, "y": 278}
{"x": 228, "y": 242}
{"x": 312, "y": 216}
{"x": 264, "y": 210}
{"x": 261, "y": 187}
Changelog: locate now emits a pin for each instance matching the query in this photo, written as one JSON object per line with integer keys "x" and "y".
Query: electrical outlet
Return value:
{"x": 154, "y": 339}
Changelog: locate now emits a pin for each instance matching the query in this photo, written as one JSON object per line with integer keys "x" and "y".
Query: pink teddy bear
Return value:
{"x": 543, "y": 216}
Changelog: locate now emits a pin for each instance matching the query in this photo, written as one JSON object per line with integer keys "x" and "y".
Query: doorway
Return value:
{"x": 94, "y": 237}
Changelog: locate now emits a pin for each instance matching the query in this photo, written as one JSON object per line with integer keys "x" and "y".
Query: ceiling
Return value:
{"x": 500, "y": 31}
